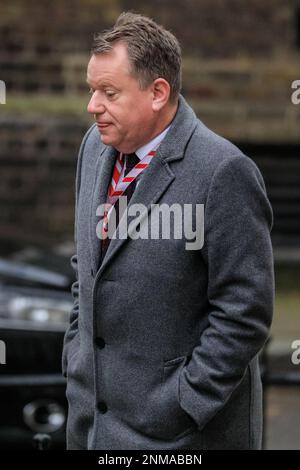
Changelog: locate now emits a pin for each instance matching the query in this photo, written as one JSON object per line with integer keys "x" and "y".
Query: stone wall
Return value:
{"x": 239, "y": 61}
{"x": 37, "y": 161}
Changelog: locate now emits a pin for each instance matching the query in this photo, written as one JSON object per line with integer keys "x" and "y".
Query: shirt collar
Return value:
{"x": 145, "y": 149}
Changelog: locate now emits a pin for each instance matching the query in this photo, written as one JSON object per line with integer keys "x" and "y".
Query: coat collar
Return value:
{"x": 153, "y": 184}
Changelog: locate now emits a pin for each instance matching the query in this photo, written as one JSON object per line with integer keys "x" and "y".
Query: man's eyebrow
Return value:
{"x": 104, "y": 83}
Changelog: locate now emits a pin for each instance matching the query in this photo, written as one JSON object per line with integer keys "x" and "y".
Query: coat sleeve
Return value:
{"x": 72, "y": 329}
{"x": 237, "y": 250}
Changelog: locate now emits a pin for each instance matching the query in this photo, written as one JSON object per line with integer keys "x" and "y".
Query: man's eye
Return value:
{"x": 110, "y": 94}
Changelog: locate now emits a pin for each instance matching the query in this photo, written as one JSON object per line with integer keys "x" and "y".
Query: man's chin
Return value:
{"x": 105, "y": 139}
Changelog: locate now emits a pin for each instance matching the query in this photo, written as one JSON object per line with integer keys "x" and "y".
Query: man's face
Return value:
{"x": 123, "y": 111}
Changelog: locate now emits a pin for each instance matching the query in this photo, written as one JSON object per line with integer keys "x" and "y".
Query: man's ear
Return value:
{"x": 161, "y": 93}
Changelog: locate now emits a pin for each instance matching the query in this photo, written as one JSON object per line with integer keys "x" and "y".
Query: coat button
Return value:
{"x": 100, "y": 342}
{"x": 102, "y": 407}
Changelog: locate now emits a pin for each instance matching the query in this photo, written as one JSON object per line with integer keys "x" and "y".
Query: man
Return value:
{"x": 163, "y": 343}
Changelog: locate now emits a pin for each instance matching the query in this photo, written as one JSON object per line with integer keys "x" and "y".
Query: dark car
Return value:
{"x": 35, "y": 303}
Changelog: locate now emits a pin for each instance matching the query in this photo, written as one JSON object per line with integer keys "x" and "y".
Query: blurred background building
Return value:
{"x": 239, "y": 62}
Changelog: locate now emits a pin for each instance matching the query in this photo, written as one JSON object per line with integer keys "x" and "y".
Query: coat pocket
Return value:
{"x": 179, "y": 422}
{"x": 173, "y": 362}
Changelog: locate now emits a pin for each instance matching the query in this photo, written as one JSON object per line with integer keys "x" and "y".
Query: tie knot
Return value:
{"x": 131, "y": 159}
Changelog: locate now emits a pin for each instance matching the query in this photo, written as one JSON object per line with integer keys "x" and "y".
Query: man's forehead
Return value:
{"x": 117, "y": 56}
{"x": 107, "y": 66}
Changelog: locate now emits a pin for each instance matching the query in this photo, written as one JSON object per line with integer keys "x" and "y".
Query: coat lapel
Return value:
{"x": 102, "y": 177}
{"x": 157, "y": 178}
{"x": 153, "y": 184}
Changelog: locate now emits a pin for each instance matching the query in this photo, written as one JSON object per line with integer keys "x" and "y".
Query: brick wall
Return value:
{"x": 40, "y": 41}
{"x": 239, "y": 61}
{"x": 37, "y": 164}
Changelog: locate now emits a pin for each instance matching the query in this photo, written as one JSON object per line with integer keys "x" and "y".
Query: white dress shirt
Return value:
{"x": 145, "y": 149}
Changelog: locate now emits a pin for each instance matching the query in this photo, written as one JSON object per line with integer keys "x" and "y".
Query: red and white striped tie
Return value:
{"x": 119, "y": 185}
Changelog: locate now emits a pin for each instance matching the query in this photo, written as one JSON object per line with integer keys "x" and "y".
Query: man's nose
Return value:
{"x": 95, "y": 105}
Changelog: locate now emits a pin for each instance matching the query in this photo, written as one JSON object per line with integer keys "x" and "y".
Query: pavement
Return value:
{"x": 282, "y": 412}
{"x": 281, "y": 398}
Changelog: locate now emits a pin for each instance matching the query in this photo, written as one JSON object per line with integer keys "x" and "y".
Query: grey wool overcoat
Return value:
{"x": 163, "y": 343}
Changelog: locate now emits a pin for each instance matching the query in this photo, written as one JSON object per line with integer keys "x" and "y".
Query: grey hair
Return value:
{"x": 153, "y": 51}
